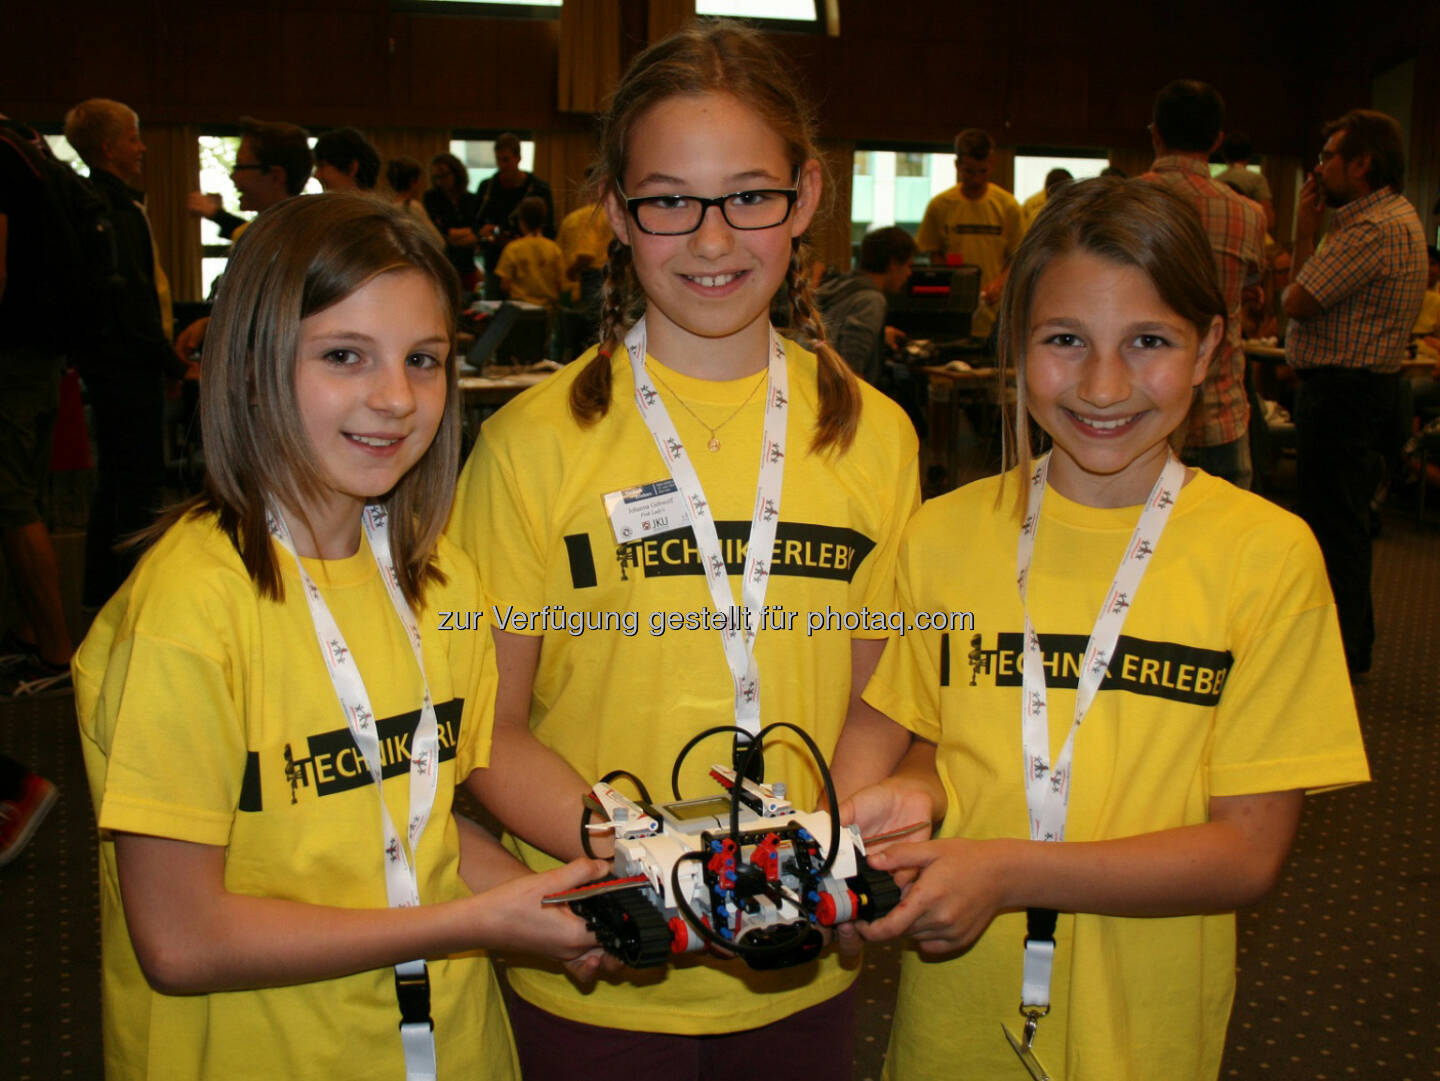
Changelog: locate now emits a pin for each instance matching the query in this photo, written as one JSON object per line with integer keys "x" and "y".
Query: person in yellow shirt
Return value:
{"x": 532, "y": 268}
{"x": 1031, "y": 207}
{"x": 976, "y": 219}
{"x": 1093, "y": 589}
{"x": 278, "y": 669}
{"x": 584, "y": 240}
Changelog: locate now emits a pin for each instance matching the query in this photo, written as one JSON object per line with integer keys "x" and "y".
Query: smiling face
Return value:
{"x": 370, "y": 385}
{"x": 709, "y": 291}
{"x": 1110, "y": 370}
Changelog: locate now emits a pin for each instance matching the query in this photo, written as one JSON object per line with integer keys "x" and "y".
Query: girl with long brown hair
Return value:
{"x": 274, "y": 722}
{"x": 686, "y": 528}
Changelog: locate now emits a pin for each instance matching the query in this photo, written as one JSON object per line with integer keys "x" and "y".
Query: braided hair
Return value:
{"x": 710, "y": 57}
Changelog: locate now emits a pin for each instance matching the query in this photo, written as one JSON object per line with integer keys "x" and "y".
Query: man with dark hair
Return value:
{"x": 853, "y": 306}
{"x": 1237, "y": 151}
{"x": 1351, "y": 307}
{"x": 976, "y": 219}
{"x": 500, "y": 196}
{"x": 345, "y": 161}
{"x": 272, "y": 164}
{"x": 1185, "y": 131}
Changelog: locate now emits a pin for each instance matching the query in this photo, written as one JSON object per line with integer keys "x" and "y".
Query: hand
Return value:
{"x": 551, "y": 931}
{"x": 486, "y": 232}
{"x": 190, "y": 341}
{"x": 958, "y": 892}
{"x": 890, "y": 805}
{"x": 1310, "y": 209}
{"x": 894, "y": 338}
{"x": 203, "y": 204}
{"x": 460, "y": 238}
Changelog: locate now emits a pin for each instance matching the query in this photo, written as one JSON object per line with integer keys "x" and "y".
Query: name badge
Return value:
{"x": 636, "y": 513}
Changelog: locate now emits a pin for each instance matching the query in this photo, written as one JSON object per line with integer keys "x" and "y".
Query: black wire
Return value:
{"x": 685, "y": 750}
{"x": 831, "y": 799}
{"x": 615, "y": 774}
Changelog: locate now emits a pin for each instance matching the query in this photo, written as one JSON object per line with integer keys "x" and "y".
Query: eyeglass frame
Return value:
{"x": 792, "y": 196}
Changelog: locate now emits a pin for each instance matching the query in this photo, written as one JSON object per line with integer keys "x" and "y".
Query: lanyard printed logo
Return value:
{"x": 1047, "y": 785}
{"x": 402, "y": 888}
{"x": 739, "y": 643}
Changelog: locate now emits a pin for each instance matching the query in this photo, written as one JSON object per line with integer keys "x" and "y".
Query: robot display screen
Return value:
{"x": 709, "y": 807}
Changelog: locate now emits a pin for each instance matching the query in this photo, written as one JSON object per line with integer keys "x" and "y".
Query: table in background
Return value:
{"x": 965, "y": 398}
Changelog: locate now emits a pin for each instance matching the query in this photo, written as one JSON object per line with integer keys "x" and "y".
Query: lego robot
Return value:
{"x": 742, "y": 871}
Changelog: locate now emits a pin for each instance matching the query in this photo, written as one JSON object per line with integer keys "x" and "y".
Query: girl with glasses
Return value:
{"x": 694, "y": 464}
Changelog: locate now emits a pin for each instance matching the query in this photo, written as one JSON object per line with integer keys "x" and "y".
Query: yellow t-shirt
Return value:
{"x": 985, "y": 231}
{"x": 529, "y": 509}
{"x": 1228, "y": 679}
{"x": 532, "y": 270}
{"x": 1030, "y": 210}
{"x": 207, "y": 715}
{"x": 585, "y": 231}
{"x": 1428, "y": 321}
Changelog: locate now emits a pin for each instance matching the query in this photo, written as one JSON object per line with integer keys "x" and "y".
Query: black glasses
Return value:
{"x": 238, "y": 168}
{"x": 676, "y": 215}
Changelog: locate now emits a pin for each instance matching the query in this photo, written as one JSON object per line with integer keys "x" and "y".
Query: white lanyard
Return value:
{"x": 739, "y": 643}
{"x": 402, "y": 888}
{"x": 1047, "y": 786}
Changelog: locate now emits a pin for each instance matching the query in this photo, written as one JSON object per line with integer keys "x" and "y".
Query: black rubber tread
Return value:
{"x": 628, "y": 926}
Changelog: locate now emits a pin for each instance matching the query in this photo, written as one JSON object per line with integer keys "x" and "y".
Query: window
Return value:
{"x": 478, "y": 154}
{"x": 61, "y": 148}
{"x": 217, "y": 159}
{"x": 782, "y": 11}
{"x": 892, "y": 187}
{"x": 1030, "y": 169}
{"x": 525, "y": 9}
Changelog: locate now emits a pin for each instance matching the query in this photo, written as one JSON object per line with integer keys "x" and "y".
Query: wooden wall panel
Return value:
{"x": 916, "y": 71}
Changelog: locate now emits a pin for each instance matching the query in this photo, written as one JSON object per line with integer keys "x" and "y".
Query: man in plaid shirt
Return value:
{"x": 1185, "y": 130}
{"x": 1351, "y": 306}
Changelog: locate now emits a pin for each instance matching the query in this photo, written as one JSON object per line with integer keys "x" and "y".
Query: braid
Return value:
{"x": 590, "y": 394}
{"x": 616, "y": 299}
{"x": 839, "y": 392}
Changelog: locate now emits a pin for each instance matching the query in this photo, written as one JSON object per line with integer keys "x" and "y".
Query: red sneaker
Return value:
{"x": 20, "y": 817}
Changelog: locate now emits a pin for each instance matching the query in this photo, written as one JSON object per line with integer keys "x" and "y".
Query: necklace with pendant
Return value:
{"x": 714, "y": 430}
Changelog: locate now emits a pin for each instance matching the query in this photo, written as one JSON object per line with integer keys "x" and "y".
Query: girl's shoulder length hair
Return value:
{"x": 1139, "y": 223}
{"x": 296, "y": 259}
{"x": 712, "y": 56}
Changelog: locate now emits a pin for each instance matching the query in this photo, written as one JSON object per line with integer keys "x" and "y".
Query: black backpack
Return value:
{"x": 79, "y": 275}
